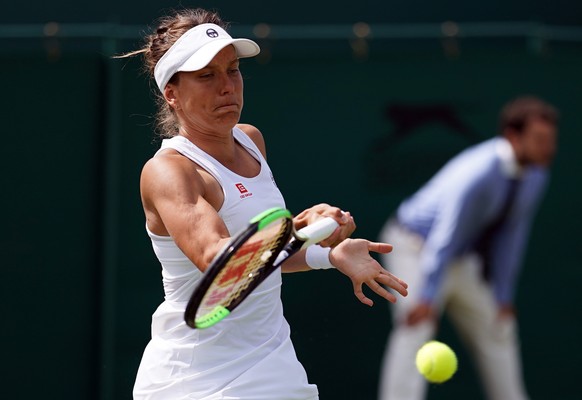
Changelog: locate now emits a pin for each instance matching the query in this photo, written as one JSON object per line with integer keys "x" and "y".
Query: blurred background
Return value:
{"x": 372, "y": 96}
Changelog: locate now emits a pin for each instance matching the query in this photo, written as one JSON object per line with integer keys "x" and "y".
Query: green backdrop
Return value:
{"x": 80, "y": 280}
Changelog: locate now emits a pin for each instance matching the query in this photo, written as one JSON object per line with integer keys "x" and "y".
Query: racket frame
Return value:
{"x": 257, "y": 224}
{"x": 290, "y": 242}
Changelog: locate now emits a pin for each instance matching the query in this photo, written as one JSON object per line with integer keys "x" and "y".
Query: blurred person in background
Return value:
{"x": 459, "y": 243}
{"x": 191, "y": 194}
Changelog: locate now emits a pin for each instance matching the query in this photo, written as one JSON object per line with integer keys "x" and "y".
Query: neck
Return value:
{"x": 509, "y": 157}
{"x": 220, "y": 145}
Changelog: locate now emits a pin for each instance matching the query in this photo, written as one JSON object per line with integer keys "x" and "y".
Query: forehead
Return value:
{"x": 538, "y": 130}
{"x": 227, "y": 55}
{"x": 540, "y": 125}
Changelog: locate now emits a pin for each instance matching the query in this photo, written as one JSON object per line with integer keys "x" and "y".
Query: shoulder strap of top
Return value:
{"x": 194, "y": 153}
{"x": 247, "y": 143}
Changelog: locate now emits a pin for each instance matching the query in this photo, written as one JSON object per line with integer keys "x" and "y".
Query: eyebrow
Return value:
{"x": 213, "y": 65}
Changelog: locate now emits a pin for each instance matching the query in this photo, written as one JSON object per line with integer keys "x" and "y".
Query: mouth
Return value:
{"x": 228, "y": 107}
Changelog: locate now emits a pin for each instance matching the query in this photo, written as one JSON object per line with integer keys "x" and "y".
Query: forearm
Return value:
{"x": 314, "y": 257}
{"x": 433, "y": 262}
{"x": 295, "y": 263}
{"x": 430, "y": 285}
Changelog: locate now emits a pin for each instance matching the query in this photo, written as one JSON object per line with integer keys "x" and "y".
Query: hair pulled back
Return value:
{"x": 169, "y": 29}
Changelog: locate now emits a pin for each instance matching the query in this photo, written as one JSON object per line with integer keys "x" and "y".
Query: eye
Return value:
{"x": 234, "y": 67}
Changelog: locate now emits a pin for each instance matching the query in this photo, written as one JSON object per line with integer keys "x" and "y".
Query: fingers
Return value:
{"x": 301, "y": 220}
{"x": 389, "y": 280}
{"x": 335, "y": 238}
{"x": 345, "y": 220}
{"x": 395, "y": 282}
{"x": 352, "y": 257}
{"x": 377, "y": 285}
{"x": 345, "y": 229}
{"x": 376, "y": 288}
{"x": 380, "y": 247}
{"x": 421, "y": 312}
{"x": 381, "y": 291}
{"x": 413, "y": 319}
{"x": 361, "y": 296}
{"x": 342, "y": 217}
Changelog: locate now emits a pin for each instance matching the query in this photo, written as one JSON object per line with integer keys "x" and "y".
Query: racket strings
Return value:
{"x": 253, "y": 265}
{"x": 244, "y": 267}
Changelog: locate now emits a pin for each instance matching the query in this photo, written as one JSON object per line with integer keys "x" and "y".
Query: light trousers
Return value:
{"x": 471, "y": 308}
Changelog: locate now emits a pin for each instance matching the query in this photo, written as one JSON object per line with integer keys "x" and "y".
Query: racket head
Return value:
{"x": 239, "y": 268}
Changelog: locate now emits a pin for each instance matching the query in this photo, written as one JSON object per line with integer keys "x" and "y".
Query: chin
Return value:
{"x": 229, "y": 119}
{"x": 544, "y": 163}
{"x": 230, "y": 115}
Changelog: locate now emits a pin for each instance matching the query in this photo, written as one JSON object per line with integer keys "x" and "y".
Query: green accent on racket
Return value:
{"x": 270, "y": 215}
{"x": 213, "y": 317}
{"x": 250, "y": 257}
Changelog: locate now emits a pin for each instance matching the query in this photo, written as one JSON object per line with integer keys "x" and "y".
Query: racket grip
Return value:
{"x": 318, "y": 231}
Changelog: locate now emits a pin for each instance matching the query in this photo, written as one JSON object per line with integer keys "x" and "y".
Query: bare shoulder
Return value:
{"x": 168, "y": 171}
{"x": 180, "y": 199}
{"x": 250, "y": 130}
{"x": 166, "y": 162}
{"x": 255, "y": 135}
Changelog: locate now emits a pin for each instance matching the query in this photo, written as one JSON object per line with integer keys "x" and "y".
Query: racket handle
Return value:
{"x": 318, "y": 231}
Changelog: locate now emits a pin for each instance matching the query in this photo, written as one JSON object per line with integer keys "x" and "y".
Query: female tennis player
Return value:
{"x": 209, "y": 178}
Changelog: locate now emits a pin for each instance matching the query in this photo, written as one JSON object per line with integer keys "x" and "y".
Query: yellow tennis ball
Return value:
{"x": 436, "y": 361}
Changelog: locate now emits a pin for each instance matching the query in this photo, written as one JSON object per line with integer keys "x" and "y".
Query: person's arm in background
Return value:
{"x": 460, "y": 216}
{"x": 510, "y": 245}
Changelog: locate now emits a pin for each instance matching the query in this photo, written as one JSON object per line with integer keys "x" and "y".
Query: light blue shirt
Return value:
{"x": 452, "y": 209}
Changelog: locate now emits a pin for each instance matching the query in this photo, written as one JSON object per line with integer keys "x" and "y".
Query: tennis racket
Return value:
{"x": 248, "y": 259}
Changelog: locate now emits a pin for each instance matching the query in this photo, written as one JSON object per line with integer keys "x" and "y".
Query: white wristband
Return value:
{"x": 317, "y": 257}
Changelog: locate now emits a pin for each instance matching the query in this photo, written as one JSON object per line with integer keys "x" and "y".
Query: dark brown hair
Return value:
{"x": 516, "y": 114}
{"x": 169, "y": 29}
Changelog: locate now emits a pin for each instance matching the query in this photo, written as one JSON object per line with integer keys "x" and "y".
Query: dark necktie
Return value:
{"x": 485, "y": 240}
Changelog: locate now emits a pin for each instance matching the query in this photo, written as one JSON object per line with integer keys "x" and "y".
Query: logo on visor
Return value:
{"x": 211, "y": 33}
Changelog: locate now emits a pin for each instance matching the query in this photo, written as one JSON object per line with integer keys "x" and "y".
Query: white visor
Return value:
{"x": 196, "y": 48}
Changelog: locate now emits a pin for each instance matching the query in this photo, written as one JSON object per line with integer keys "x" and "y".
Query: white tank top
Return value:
{"x": 248, "y": 355}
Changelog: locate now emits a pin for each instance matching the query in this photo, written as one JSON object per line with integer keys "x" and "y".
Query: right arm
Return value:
{"x": 458, "y": 219}
{"x": 175, "y": 197}
{"x": 312, "y": 214}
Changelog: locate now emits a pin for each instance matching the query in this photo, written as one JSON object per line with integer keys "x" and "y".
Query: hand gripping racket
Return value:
{"x": 248, "y": 259}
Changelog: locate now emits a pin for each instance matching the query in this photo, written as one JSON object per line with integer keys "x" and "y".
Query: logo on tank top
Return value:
{"x": 244, "y": 193}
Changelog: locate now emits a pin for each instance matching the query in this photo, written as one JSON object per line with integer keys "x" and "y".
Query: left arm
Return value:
{"x": 509, "y": 246}
{"x": 350, "y": 256}
{"x": 346, "y": 222}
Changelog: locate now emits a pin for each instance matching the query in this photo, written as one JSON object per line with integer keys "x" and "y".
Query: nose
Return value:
{"x": 226, "y": 84}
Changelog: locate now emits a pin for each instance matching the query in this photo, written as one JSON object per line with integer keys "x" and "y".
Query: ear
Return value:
{"x": 511, "y": 134}
{"x": 515, "y": 139}
{"x": 171, "y": 96}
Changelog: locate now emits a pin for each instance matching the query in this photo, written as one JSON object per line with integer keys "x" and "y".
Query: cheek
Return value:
{"x": 543, "y": 153}
{"x": 239, "y": 85}
{"x": 547, "y": 147}
{"x": 538, "y": 150}
{"x": 240, "y": 91}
